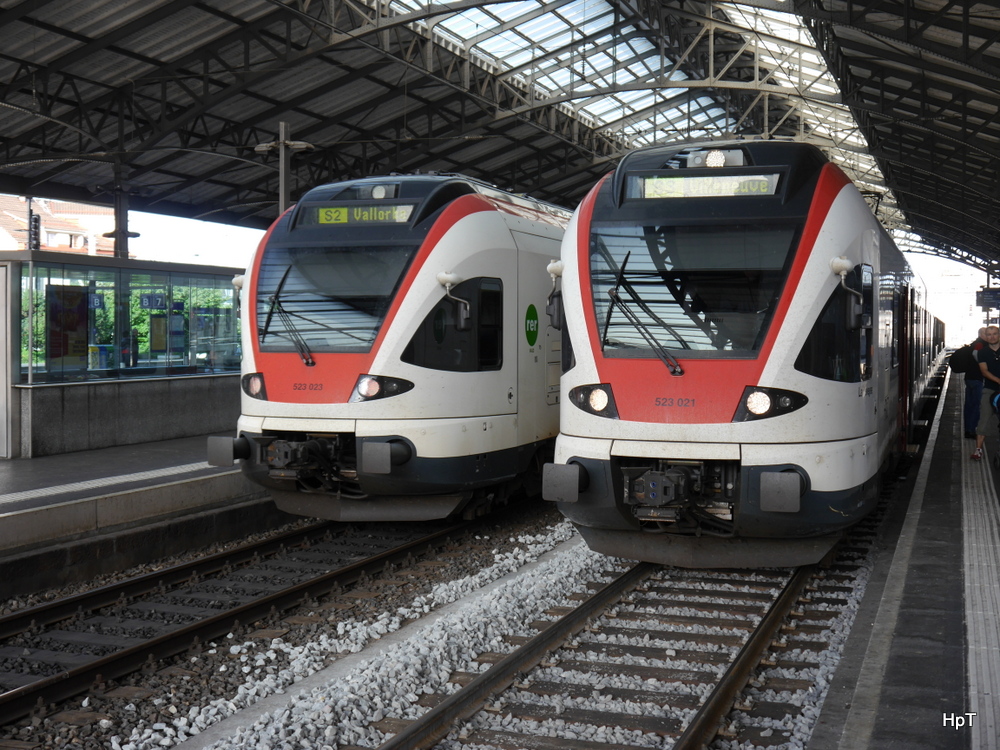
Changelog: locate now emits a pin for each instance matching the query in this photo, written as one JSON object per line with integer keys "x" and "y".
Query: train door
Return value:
{"x": 538, "y": 342}
{"x": 470, "y": 332}
{"x": 5, "y": 365}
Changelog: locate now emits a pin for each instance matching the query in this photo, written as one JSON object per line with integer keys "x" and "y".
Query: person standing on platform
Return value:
{"x": 989, "y": 365}
{"x": 973, "y": 390}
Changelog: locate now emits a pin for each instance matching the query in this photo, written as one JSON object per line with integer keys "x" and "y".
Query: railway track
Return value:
{"x": 54, "y": 651}
{"x": 633, "y": 674}
{"x": 657, "y": 657}
{"x": 643, "y": 649}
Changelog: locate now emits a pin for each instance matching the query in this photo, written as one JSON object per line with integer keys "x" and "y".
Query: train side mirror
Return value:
{"x": 554, "y": 303}
{"x": 447, "y": 279}
{"x": 464, "y": 314}
{"x": 237, "y": 283}
{"x": 554, "y": 307}
{"x": 856, "y": 317}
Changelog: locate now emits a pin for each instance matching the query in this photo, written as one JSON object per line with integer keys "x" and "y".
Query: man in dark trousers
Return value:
{"x": 973, "y": 390}
{"x": 989, "y": 365}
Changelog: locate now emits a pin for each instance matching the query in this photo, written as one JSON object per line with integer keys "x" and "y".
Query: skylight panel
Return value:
{"x": 590, "y": 56}
{"x": 469, "y": 23}
{"x": 507, "y": 12}
{"x": 561, "y": 78}
{"x": 599, "y": 61}
{"x": 504, "y": 44}
{"x": 599, "y": 107}
{"x": 543, "y": 27}
{"x": 632, "y": 97}
{"x": 579, "y": 13}
{"x": 596, "y": 24}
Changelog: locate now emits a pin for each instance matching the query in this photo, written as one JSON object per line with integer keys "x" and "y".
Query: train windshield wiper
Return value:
{"x": 286, "y": 320}
{"x": 274, "y": 300}
{"x": 616, "y": 301}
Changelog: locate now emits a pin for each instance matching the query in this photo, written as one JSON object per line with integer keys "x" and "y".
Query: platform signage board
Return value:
{"x": 988, "y": 298}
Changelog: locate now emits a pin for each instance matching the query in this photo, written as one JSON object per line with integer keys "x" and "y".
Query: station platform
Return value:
{"x": 90, "y": 512}
{"x": 921, "y": 668}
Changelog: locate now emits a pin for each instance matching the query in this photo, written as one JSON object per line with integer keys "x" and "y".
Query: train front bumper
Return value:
{"x": 770, "y": 490}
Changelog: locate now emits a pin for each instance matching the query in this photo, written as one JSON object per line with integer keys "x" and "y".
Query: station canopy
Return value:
{"x": 177, "y": 106}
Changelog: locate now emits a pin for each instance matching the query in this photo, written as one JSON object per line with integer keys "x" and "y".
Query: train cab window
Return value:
{"x": 327, "y": 298}
{"x": 709, "y": 291}
{"x": 442, "y": 343}
{"x": 840, "y": 344}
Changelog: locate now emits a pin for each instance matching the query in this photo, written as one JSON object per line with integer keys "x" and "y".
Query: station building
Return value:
{"x": 102, "y": 351}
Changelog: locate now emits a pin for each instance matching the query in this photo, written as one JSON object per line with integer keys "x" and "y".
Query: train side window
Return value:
{"x": 840, "y": 345}
{"x": 439, "y": 344}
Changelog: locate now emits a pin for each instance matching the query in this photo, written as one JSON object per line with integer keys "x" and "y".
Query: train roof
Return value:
{"x": 801, "y": 161}
{"x": 443, "y": 186}
{"x": 691, "y": 155}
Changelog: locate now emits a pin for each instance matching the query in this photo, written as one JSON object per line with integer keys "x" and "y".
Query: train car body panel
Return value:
{"x": 389, "y": 364}
{"x": 738, "y": 338}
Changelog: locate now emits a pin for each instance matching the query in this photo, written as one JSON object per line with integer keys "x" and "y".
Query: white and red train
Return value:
{"x": 746, "y": 347}
{"x": 397, "y": 361}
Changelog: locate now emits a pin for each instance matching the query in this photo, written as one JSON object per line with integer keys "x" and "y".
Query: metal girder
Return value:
{"x": 540, "y": 96}
{"x": 933, "y": 121}
{"x": 174, "y": 105}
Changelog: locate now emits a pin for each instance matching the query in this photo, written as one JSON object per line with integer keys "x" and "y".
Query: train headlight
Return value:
{"x": 253, "y": 385}
{"x": 371, "y": 387}
{"x": 598, "y": 400}
{"x": 763, "y": 403}
{"x": 368, "y": 387}
{"x": 758, "y": 403}
{"x": 595, "y": 399}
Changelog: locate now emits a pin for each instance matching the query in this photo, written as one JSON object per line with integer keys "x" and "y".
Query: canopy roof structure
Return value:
{"x": 176, "y": 106}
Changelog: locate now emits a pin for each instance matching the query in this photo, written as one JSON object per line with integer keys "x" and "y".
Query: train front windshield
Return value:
{"x": 703, "y": 291}
{"x": 327, "y": 298}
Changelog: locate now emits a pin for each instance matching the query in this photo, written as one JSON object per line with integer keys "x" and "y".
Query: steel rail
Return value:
{"x": 436, "y": 723}
{"x": 712, "y": 713}
{"x": 20, "y": 702}
{"x": 64, "y": 608}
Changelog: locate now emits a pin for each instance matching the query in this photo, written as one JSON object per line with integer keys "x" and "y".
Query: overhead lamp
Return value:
{"x": 263, "y": 148}
{"x": 715, "y": 158}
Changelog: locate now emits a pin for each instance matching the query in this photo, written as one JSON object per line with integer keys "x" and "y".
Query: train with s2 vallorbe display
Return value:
{"x": 395, "y": 363}
{"x": 746, "y": 348}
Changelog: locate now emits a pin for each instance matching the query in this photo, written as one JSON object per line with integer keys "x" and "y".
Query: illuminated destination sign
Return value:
{"x": 702, "y": 186}
{"x": 364, "y": 214}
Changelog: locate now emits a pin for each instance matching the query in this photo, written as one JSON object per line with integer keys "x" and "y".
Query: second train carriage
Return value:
{"x": 745, "y": 348}
{"x": 396, "y": 365}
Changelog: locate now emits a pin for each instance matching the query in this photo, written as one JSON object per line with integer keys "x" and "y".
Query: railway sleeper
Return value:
{"x": 547, "y": 688}
{"x": 659, "y": 725}
{"x": 512, "y": 741}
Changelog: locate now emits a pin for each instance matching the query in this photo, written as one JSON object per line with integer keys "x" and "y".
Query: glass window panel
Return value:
{"x": 709, "y": 291}
{"x": 143, "y": 348}
{"x": 329, "y": 299}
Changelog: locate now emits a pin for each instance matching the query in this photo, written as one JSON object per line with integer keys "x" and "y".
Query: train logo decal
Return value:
{"x": 531, "y": 325}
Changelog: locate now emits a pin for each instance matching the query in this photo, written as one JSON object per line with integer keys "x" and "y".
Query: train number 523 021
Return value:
{"x": 680, "y": 402}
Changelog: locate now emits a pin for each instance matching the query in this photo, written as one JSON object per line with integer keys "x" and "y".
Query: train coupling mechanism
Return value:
{"x": 684, "y": 492}
{"x": 222, "y": 451}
